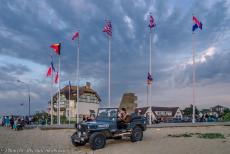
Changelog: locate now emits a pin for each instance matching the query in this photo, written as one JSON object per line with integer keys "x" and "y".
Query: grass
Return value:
{"x": 211, "y": 136}
{"x": 181, "y": 135}
{"x": 199, "y": 135}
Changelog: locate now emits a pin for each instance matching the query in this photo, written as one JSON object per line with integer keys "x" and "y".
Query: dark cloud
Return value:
{"x": 28, "y": 28}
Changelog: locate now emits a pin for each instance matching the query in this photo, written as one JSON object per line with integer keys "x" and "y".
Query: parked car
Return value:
{"x": 106, "y": 126}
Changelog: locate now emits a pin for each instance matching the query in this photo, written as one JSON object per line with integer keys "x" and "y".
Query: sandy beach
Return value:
{"x": 156, "y": 141}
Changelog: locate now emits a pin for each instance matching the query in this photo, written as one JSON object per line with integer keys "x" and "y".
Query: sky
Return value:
{"x": 28, "y": 28}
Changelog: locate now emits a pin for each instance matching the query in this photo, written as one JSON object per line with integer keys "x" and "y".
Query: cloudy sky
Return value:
{"x": 28, "y": 28}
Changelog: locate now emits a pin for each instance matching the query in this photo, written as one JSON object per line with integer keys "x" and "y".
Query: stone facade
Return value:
{"x": 128, "y": 101}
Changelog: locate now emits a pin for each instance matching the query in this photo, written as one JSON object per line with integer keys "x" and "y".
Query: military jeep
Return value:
{"x": 108, "y": 126}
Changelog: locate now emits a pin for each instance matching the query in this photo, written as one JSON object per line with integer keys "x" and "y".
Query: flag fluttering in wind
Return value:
{"x": 151, "y": 22}
{"x": 197, "y": 24}
{"x": 149, "y": 79}
{"x": 76, "y": 35}
{"x": 51, "y": 69}
{"x": 52, "y": 65}
{"x": 49, "y": 72}
{"x": 57, "y": 48}
{"x": 108, "y": 28}
{"x": 56, "y": 78}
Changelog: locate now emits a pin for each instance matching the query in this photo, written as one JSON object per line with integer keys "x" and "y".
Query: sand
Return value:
{"x": 155, "y": 141}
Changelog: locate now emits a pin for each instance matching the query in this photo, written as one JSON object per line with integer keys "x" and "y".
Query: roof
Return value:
{"x": 218, "y": 106}
{"x": 73, "y": 92}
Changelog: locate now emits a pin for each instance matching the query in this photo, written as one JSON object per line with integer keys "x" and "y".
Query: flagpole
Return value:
{"x": 69, "y": 103}
{"x": 194, "y": 77}
{"x": 51, "y": 98}
{"x": 59, "y": 94}
{"x": 78, "y": 57}
{"x": 109, "y": 37}
{"x": 150, "y": 71}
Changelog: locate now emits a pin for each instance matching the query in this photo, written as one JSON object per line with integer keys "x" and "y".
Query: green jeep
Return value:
{"x": 107, "y": 126}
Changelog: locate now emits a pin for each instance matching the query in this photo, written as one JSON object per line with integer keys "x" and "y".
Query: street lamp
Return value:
{"x": 28, "y": 87}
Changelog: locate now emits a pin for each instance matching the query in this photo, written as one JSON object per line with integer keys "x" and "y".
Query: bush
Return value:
{"x": 226, "y": 117}
{"x": 212, "y": 136}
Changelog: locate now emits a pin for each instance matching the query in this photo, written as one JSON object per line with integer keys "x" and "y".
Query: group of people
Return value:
{"x": 12, "y": 122}
{"x": 90, "y": 117}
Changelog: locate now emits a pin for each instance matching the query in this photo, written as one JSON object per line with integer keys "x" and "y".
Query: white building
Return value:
{"x": 89, "y": 101}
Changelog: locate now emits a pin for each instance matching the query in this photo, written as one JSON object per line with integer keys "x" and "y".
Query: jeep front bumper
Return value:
{"x": 78, "y": 137}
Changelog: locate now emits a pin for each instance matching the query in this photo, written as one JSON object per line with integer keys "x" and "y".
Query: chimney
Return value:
{"x": 88, "y": 85}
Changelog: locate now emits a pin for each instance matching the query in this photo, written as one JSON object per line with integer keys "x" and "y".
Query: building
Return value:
{"x": 218, "y": 109}
{"x": 128, "y": 102}
{"x": 89, "y": 101}
{"x": 162, "y": 113}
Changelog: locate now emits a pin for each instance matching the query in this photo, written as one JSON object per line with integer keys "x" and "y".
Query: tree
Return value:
{"x": 189, "y": 110}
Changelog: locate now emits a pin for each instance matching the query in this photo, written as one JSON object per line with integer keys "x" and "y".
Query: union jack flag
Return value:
{"x": 108, "y": 28}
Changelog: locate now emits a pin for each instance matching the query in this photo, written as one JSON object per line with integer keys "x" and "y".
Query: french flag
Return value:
{"x": 197, "y": 24}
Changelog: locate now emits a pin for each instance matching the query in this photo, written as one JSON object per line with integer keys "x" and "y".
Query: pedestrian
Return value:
{"x": 15, "y": 124}
{"x": 7, "y": 121}
{"x": 1, "y": 120}
{"x": 12, "y": 122}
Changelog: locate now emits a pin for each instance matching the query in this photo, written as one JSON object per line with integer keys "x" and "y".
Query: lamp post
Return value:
{"x": 28, "y": 87}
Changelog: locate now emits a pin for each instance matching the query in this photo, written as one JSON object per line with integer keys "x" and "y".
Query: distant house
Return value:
{"x": 218, "y": 109}
{"x": 89, "y": 101}
{"x": 162, "y": 113}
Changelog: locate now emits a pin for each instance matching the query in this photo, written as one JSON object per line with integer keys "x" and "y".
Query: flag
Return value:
{"x": 108, "y": 28}
{"x": 76, "y": 35}
{"x": 151, "y": 22}
{"x": 57, "y": 48}
{"x": 52, "y": 64}
{"x": 56, "y": 78}
{"x": 149, "y": 79}
{"x": 49, "y": 72}
{"x": 197, "y": 24}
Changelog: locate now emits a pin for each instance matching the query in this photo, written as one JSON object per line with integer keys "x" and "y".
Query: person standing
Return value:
{"x": 1, "y": 120}
{"x": 7, "y": 121}
{"x": 12, "y": 122}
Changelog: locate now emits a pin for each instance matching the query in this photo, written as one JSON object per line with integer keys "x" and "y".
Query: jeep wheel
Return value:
{"x": 137, "y": 134}
{"x": 78, "y": 144}
{"x": 97, "y": 141}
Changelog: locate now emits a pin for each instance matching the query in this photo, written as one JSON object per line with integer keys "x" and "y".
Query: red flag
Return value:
{"x": 196, "y": 21}
{"x": 76, "y": 35}
{"x": 56, "y": 78}
{"x": 57, "y": 48}
{"x": 108, "y": 28}
{"x": 49, "y": 72}
{"x": 151, "y": 22}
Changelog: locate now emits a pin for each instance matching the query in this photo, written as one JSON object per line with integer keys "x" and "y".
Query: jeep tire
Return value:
{"x": 137, "y": 134}
{"x": 97, "y": 141}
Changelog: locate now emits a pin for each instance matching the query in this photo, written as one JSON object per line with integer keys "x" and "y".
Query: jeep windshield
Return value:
{"x": 107, "y": 114}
